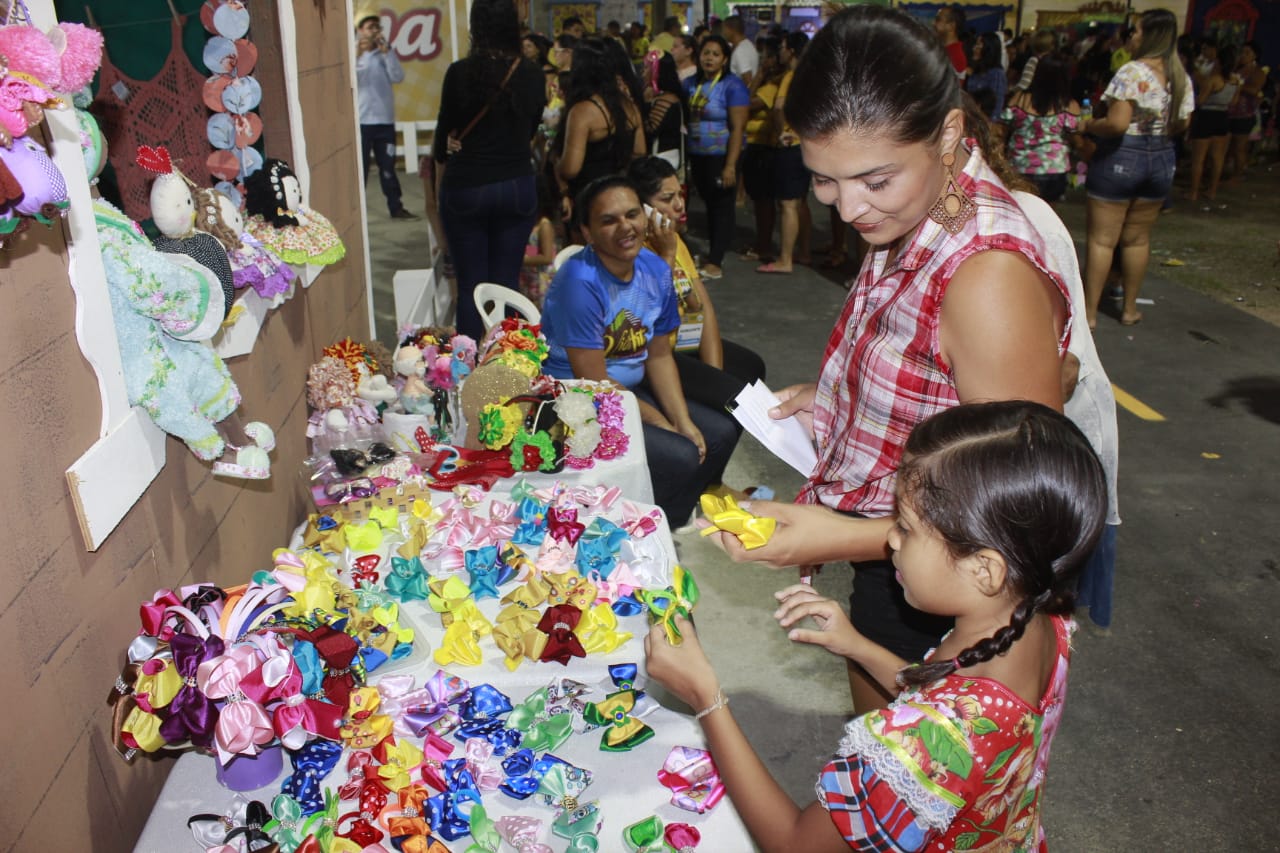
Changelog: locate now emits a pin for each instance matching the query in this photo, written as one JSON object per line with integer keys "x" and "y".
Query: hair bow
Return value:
{"x": 572, "y": 589}
{"x": 542, "y": 729}
{"x": 618, "y": 713}
{"x": 243, "y": 724}
{"x": 324, "y": 533}
{"x": 211, "y": 830}
{"x": 561, "y": 787}
{"x": 563, "y": 524}
{"x": 562, "y": 643}
{"x": 486, "y": 572}
{"x": 521, "y": 567}
{"x": 531, "y": 522}
{"x": 156, "y": 616}
{"x": 478, "y": 754}
{"x": 338, "y": 651}
{"x": 531, "y": 593}
{"x": 295, "y": 716}
{"x": 460, "y": 644}
{"x": 556, "y": 558}
{"x": 407, "y": 580}
{"x": 645, "y": 836}
{"x": 597, "y": 557}
{"x": 361, "y": 832}
{"x": 682, "y": 837}
{"x": 406, "y": 822}
{"x": 192, "y": 714}
{"x": 481, "y": 718}
{"x": 388, "y": 517}
{"x": 287, "y": 826}
{"x": 447, "y": 811}
{"x": 724, "y": 514}
{"x": 678, "y": 599}
{"x": 365, "y": 536}
{"x": 311, "y": 765}
{"x": 598, "y": 630}
{"x": 364, "y": 784}
{"x": 399, "y": 759}
{"x": 516, "y": 634}
{"x": 366, "y": 727}
{"x": 369, "y": 597}
{"x": 484, "y": 833}
{"x": 364, "y": 569}
{"x": 522, "y": 833}
{"x": 156, "y": 682}
{"x": 693, "y": 778}
{"x": 640, "y": 524}
{"x": 451, "y": 598}
{"x": 426, "y": 709}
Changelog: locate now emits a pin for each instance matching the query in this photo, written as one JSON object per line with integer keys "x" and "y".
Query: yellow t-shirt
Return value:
{"x": 689, "y": 335}
{"x": 786, "y": 135}
{"x": 759, "y": 129}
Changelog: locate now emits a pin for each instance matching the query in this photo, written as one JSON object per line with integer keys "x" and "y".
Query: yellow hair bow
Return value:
{"x": 598, "y": 630}
{"x": 511, "y": 634}
{"x": 363, "y": 537}
{"x": 459, "y": 645}
{"x": 725, "y": 514}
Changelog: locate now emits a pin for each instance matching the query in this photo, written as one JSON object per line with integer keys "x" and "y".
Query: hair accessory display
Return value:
{"x": 311, "y": 765}
{"x": 693, "y": 778}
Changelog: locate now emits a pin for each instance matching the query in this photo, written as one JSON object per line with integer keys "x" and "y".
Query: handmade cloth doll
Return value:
{"x": 173, "y": 208}
{"x": 252, "y": 264}
{"x": 299, "y": 235}
{"x": 415, "y": 396}
{"x": 164, "y": 307}
{"x": 32, "y": 186}
{"x": 37, "y": 66}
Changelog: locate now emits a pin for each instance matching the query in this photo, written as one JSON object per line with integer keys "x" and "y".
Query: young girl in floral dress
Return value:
{"x": 999, "y": 505}
{"x": 1041, "y": 126}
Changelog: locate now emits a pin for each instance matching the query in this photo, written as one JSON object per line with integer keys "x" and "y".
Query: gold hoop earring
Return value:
{"x": 954, "y": 207}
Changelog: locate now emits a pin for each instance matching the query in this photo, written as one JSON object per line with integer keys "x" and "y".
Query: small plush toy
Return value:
{"x": 252, "y": 264}
{"x": 277, "y": 217}
{"x": 173, "y": 208}
{"x": 37, "y": 66}
{"x": 32, "y": 186}
{"x": 415, "y": 396}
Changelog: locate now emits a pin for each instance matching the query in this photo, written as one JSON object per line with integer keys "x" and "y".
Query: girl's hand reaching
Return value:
{"x": 685, "y": 669}
{"x": 835, "y": 632}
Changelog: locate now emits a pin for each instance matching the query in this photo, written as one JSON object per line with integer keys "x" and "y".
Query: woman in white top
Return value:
{"x": 1147, "y": 103}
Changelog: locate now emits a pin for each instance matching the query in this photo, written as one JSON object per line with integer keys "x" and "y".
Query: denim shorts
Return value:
{"x": 1139, "y": 169}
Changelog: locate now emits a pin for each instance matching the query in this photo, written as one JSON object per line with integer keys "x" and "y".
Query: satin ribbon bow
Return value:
{"x": 542, "y": 729}
{"x": 678, "y": 599}
{"x": 158, "y": 681}
{"x": 338, "y": 651}
{"x": 522, "y": 568}
{"x": 388, "y": 517}
{"x": 478, "y": 754}
{"x": 191, "y": 713}
{"x": 364, "y": 784}
{"x": 243, "y": 725}
{"x": 562, "y": 643}
{"x": 447, "y": 811}
{"x": 572, "y": 589}
{"x": 400, "y": 758}
{"x": 296, "y": 716}
{"x": 531, "y": 522}
{"x": 561, "y": 788}
{"x": 156, "y": 619}
{"x": 407, "y": 580}
{"x": 724, "y": 514}
{"x": 563, "y": 524}
{"x": 425, "y": 709}
{"x": 556, "y": 558}
{"x": 645, "y": 836}
{"x": 597, "y": 557}
{"x": 486, "y": 572}
{"x": 407, "y": 823}
{"x": 693, "y": 778}
{"x": 366, "y": 536}
{"x": 524, "y": 773}
{"x": 682, "y": 837}
{"x": 451, "y": 598}
{"x": 210, "y": 830}
{"x": 516, "y": 633}
{"x": 460, "y": 645}
{"x": 366, "y": 727}
{"x": 287, "y": 826}
{"x": 311, "y": 765}
{"x": 617, "y": 712}
{"x": 364, "y": 569}
{"x": 640, "y": 524}
{"x": 598, "y": 630}
{"x": 484, "y": 832}
{"x": 481, "y": 718}
{"x": 522, "y": 833}
{"x": 324, "y": 532}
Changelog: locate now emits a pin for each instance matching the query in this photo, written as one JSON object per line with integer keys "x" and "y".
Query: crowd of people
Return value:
{"x": 970, "y": 526}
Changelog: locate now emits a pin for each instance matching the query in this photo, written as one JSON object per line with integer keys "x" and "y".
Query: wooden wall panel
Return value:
{"x": 66, "y": 615}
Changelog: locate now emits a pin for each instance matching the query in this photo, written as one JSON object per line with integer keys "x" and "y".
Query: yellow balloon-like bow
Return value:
{"x": 516, "y": 633}
{"x": 459, "y": 645}
{"x": 725, "y": 514}
{"x": 598, "y": 630}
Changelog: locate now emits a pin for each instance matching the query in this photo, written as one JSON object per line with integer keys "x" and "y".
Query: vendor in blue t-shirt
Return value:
{"x": 609, "y": 315}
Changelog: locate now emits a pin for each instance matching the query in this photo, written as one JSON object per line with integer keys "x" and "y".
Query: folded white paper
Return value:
{"x": 786, "y": 438}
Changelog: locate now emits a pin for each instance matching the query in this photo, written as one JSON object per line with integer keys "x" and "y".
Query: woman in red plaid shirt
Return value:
{"x": 956, "y": 302}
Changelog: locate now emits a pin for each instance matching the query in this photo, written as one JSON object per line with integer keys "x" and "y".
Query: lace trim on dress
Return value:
{"x": 930, "y": 809}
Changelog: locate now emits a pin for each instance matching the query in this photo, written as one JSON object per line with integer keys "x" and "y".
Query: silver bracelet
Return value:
{"x": 721, "y": 701}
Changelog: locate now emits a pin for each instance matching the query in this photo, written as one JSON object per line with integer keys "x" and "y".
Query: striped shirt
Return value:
{"x": 883, "y": 371}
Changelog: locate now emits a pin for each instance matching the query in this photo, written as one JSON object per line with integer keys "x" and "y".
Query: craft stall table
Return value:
{"x": 625, "y": 784}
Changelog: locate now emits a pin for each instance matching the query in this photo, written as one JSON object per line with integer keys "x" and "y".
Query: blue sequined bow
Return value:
{"x": 487, "y": 572}
{"x": 311, "y": 765}
{"x": 531, "y": 527}
{"x": 598, "y": 549}
{"x": 445, "y": 810}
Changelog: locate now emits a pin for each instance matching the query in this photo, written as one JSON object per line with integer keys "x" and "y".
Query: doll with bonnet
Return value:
{"x": 252, "y": 264}
{"x": 165, "y": 307}
{"x": 277, "y": 218}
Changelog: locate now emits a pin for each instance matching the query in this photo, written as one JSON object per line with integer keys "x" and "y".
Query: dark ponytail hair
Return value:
{"x": 646, "y": 175}
{"x": 1020, "y": 479}
{"x": 594, "y": 74}
{"x": 873, "y": 69}
{"x": 495, "y": 43}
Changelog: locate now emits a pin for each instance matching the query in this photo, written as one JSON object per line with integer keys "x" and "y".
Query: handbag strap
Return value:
{"x": 515, "y": 63}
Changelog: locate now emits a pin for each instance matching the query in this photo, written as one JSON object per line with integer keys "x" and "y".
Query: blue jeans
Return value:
{"x": 378, "y": 141}
{"x": 678, "y": 478}
{"x": 1140, "y": 168}
{"x": 487, "y": 228}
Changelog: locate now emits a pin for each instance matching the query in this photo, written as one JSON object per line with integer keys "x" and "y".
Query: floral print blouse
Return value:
{"x": 1038, "y": 144}
{"x": 957, "y": 765}
{"x": 1137, "y": 82}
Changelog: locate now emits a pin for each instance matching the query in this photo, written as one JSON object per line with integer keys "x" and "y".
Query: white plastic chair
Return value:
{"x": 565, "y": 254}
{"x": 499, "y": 299}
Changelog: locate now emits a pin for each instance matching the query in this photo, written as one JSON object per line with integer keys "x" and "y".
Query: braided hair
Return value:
{"x": 1017, "y": 478}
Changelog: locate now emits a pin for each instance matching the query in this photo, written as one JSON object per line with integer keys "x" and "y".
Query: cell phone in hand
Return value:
{"x": 649, "y": 212}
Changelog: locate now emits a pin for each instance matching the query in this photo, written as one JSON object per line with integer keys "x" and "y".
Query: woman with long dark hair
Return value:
{"x": 1147, "y": 103}
{"x": 490, "y": 105}
{"x": 1041, "y": 125}
{"x": 717, "y": 100}
{"x": 664, "y": 113}
{"x": 603, "y": 128}
{"x": 957, "y": 301}
{"x": 987, "y": 80}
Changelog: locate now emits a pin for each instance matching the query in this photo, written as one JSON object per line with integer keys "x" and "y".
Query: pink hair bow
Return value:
{"x": 243, "y": 725}
{"x": 563, "y": 524}
{"x": 640, "y": 524}
{"x": 522, "y": 833}
{"x": 156, "y": 619}
{"x": 425, "y": 709}
{"x": 296, "y": 717}
{"x": 556, "y": 558}
{"x": 486, "y": 773}
{"x": 693, "y": 778}
{"x": 435, "y": 751}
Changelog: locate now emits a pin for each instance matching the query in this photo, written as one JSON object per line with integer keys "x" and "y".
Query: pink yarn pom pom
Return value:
{"x": 82, "y": 57}
{"x": 29, "y": 51}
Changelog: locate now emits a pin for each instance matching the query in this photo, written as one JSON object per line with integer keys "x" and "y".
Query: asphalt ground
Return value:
{"x": 1167, "y": 742}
